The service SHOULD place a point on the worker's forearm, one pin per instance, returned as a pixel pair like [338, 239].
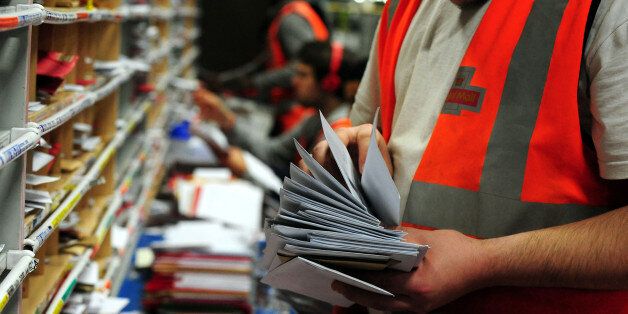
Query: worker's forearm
[591, 254]
[228, 122]
[274, 78]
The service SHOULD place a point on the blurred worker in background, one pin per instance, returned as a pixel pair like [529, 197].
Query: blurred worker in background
[293, 23]
[324, 77]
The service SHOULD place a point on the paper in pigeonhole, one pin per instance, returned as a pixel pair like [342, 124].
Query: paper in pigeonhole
[212, 174]
[325, 226]
[37, 196]
[237, 203]
[40, 160]
[33, 179]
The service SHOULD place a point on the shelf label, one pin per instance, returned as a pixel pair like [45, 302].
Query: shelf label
[58, 307]
[3, 301]
[67, 292]
[60, 17]
[29, 19]
[82, 101]
[101, 233]
[14, 151]
[66, 210]
[43, 235]
[106, 159]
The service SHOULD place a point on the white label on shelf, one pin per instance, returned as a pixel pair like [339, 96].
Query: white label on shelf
[82, 101]
[31, 18]
[60, 17]
[15, 150]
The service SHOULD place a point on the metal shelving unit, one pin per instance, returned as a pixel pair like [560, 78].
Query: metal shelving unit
[42, 255]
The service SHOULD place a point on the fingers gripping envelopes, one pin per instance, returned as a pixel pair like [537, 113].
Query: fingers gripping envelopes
[325, 227]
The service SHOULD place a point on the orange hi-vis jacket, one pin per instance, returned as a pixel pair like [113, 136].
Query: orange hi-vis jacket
[278, 57]
[506, 154]
[303, 9]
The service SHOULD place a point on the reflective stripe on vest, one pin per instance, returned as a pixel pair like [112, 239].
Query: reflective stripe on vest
[395, 21]
[506, 154]
[303, 9]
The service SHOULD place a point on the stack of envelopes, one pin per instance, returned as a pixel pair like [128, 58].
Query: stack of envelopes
[325, 226]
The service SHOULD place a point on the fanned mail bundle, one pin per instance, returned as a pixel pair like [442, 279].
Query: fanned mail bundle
[325, 227]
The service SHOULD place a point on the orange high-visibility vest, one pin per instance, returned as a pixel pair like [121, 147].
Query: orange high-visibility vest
[294, 116]
[278, 58]
[506, 154]
[303, 9]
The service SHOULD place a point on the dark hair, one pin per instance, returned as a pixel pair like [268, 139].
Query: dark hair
[317, 54]
[352, 68]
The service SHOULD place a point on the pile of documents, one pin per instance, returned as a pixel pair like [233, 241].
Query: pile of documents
[201, 265]
[211, 194]
[325, 226]
[94, 302]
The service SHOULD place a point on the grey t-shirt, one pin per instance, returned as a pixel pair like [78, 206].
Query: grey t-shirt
[428, 61]
[277, 152]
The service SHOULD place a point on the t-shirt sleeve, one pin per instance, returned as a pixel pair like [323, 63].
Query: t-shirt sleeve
[277, 152]
[607, 64]
[367, 97]
[280, 77]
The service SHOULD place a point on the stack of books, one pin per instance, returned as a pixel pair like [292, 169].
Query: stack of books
[201, 267]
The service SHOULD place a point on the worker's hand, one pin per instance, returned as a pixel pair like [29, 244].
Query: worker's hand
[234, 160]
[212, 108]
[453, 266]
[357, 141]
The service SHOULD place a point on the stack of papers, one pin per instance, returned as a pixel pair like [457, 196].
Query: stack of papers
[206, 236]
[325, 226]
[203, 263]
[237, 203]
[94, 302]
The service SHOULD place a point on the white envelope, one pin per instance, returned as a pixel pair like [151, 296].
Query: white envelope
[40, 160]
[343, 159]
[378, 185]
[314, 280]
[33, 179]
[305, 179]
[322, 175]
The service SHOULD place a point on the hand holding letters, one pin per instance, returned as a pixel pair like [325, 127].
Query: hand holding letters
[325, 226]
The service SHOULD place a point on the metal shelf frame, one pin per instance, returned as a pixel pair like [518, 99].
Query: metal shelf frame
[22, 15]
[14, 45]
[137, 119]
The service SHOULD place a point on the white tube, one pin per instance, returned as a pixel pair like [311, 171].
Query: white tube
[18, 147]
[14, 279]
[62, 295]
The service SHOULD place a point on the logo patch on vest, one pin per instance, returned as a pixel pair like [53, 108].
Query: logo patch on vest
[463, 96]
